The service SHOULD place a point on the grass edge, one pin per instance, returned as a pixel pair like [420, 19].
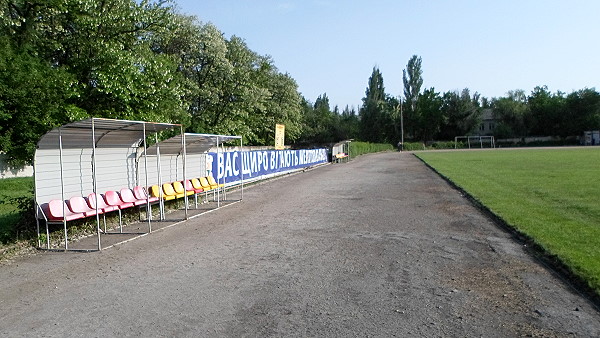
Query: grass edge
[547, 259]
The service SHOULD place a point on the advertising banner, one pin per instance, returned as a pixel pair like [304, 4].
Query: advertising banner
[254, 164]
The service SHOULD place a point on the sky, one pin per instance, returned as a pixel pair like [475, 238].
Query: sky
[488, 46]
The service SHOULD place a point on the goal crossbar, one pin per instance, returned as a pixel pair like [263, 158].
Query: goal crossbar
[476, 139]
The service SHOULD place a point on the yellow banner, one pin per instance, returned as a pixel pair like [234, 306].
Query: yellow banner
[279, 136]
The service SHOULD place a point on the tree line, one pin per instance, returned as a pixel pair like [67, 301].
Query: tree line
[66, 60]
[428, 115]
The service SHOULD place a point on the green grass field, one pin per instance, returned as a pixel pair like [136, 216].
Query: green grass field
[550, 195]
[12, 188]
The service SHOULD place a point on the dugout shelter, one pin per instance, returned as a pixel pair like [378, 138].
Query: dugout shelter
[91, 156]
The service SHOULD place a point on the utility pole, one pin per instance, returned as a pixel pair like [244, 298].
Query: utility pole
[401, 125]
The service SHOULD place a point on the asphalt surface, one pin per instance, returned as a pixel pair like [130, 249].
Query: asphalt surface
[378, 247]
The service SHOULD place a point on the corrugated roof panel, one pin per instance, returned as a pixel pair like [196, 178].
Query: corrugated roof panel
[107, 132]
[194, 143]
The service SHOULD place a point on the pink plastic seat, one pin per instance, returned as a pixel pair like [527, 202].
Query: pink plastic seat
[54, 211]
[140, 194]
[127, 196]
[112, 198]
[78, 204]
[101, 203]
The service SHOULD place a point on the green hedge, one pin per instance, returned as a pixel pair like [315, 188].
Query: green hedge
[359, 148]
[414, 146]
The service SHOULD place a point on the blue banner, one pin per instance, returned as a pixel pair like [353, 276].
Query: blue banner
[253, 164]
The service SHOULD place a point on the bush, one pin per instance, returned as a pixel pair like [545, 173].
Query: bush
[411, 146]
[447, 145]
[360, 148]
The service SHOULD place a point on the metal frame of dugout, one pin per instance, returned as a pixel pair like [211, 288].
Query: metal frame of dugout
[92, 155]
[340, 152]
[98, 155]
[189, 147]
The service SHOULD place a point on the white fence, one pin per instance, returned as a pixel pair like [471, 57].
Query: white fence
[7, 172]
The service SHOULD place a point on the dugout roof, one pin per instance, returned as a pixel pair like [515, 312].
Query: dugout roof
[190, 142]
[106, 133]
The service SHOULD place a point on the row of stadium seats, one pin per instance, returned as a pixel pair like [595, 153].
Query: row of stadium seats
[79, 207]
[173, 190]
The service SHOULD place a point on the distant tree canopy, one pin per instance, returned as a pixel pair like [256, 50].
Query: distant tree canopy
[543, 113]
[429, 115]
[66, 60]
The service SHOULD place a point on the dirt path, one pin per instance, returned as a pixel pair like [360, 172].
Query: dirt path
[380, 246]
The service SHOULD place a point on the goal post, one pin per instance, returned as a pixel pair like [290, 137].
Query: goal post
[476, 140]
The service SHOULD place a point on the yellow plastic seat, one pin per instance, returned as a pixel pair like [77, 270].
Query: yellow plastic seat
[169, 193]
[155, 192]
[214, 183]
[180, 190]
[196, 184]
[205, 185]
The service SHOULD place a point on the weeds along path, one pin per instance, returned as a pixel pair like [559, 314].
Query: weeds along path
[380, 246]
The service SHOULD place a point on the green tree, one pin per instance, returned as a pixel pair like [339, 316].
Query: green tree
[429, 108]
[412, 77]
[461, 112]
[32, 100]
[349, 124]
[582, 112]
[546, 112]
[96, 59]
[373, 119]
[512, 112]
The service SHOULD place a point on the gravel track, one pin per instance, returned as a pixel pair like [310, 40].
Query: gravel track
[377, 247]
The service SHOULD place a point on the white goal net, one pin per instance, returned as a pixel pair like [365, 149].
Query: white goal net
[475, 141]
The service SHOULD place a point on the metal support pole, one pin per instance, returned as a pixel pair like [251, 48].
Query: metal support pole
[35, 206]
[401, 127]
[62, 187]
[148, 214]
[161, 201]
[217, 180]
[242, 166]
[185, 195]
[95, 186]
[224, 180]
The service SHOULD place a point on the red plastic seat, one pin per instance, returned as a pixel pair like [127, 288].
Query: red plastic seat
[78, 204]
[140, 194]
[127, 196]
[54, 211]
[112, 198]
[101, 203]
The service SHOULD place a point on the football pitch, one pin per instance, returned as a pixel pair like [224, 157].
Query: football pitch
[550, 195]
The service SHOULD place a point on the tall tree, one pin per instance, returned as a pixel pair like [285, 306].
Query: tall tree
[412, 77]
[462, 113]
[512, 112]
[546, 112]
[429, 108]
[583, 112]
[372, 113]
